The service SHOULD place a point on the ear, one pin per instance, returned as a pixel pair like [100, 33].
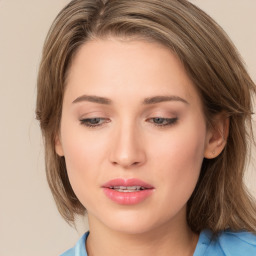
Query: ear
[217, 135]
[58, 146]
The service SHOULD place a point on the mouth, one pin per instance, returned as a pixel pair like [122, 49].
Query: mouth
[127, 189]
[127, 192]
[127, 185]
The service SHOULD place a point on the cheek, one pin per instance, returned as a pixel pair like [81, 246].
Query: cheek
[83, 153]
[83, 171]
[183, 146]
[81, 147]
[178, 163]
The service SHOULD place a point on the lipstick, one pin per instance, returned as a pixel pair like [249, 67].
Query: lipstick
[127, 191]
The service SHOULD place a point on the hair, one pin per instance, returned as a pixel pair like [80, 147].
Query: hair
[220, 199]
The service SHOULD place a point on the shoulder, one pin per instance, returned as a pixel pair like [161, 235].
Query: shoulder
[79, 249]
[226, 243]
[237, 243]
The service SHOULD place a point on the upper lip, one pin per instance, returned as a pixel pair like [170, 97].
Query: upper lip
[127, 183]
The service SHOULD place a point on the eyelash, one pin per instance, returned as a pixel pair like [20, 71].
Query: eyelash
[157, 121]
[163, 122]
[92, 122]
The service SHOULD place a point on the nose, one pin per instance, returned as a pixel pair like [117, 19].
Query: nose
[127, 149]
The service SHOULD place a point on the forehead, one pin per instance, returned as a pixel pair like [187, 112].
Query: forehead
[111, 66]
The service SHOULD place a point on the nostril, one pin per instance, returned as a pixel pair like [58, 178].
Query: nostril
[126, 164]
[135, 163]
[127, 155]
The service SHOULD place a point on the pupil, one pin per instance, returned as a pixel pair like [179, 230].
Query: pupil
[158, 120]
[95, 120]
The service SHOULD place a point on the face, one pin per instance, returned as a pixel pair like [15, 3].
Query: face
[132, 133]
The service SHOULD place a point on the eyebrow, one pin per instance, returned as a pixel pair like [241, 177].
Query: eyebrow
[159, 99]
[146, 101]
[91, 98]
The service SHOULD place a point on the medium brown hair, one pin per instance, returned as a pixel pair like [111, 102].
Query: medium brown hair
[220, 199]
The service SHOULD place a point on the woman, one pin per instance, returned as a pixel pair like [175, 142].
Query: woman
[145, 109]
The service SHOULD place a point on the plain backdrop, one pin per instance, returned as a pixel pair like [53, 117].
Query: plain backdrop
[29, 222]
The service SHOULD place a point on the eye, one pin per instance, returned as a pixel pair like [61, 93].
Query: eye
[160, 121]
[94, 122]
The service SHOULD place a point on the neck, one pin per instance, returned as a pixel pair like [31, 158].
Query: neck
[172, 239]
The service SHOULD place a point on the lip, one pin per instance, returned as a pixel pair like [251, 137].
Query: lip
[127, 198]
[127, 183]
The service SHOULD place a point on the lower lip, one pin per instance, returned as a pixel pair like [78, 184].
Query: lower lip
[127, 198]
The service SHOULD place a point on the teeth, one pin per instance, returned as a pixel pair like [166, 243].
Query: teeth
[127, 189]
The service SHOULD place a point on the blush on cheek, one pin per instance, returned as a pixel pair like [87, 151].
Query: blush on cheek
[184, 159]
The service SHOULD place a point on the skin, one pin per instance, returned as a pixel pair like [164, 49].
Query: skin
[128, 142]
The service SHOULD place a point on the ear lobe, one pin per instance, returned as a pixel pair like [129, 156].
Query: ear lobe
[58, 146]
[217, 136]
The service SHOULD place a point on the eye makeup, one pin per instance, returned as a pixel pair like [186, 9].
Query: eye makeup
[162, 122]
[94, 122]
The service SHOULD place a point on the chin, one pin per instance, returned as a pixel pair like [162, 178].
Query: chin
[132, 222]
[131, 228]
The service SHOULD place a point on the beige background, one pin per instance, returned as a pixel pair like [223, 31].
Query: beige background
[29, 222]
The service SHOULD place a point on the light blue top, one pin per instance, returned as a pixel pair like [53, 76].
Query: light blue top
[227, 243]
